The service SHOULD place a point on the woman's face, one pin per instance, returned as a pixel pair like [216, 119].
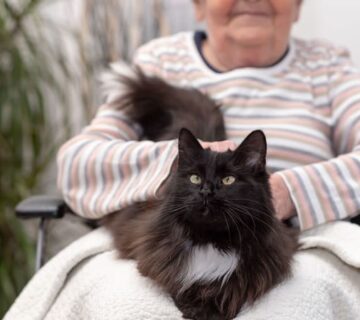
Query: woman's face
[248, 22]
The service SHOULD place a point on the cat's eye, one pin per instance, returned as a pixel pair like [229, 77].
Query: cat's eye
[195, 179]
[228, 180]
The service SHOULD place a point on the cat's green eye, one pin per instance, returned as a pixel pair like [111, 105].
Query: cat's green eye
[195, 179]
[228, 180]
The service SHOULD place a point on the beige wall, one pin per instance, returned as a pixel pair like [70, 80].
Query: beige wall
[334, 20]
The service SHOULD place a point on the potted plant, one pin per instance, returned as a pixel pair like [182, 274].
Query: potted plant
[32, 73]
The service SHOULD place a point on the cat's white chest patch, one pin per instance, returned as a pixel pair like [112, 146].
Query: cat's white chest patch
[206, 264]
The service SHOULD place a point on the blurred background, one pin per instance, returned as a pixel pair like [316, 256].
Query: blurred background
[51, 54]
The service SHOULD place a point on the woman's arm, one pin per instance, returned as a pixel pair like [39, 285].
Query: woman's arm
[330, 190]
[104, 168]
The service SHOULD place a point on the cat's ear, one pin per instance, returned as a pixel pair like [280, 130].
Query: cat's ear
[251, 153]
[189, 146]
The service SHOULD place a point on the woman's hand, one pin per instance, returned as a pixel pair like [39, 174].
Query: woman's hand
[219, 146]
[283, 205]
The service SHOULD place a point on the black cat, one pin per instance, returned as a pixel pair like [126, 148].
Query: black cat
[213, 242]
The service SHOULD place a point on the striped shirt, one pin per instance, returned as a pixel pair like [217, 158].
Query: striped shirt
[308, 105]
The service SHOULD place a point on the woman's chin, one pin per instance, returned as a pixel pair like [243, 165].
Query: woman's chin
[252, 37]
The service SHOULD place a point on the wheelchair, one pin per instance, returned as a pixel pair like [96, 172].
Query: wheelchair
[46, 208]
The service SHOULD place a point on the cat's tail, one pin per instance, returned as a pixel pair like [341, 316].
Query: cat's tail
[161, 108]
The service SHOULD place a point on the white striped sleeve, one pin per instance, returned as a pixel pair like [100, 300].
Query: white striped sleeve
[105, 168]
[330, 190]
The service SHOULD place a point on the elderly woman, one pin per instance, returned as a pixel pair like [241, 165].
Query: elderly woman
[305, 96]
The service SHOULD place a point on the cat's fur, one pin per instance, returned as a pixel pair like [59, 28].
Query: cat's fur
[162, 109]
[213, 247]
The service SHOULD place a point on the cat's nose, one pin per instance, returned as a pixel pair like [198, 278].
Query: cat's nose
[206, 191]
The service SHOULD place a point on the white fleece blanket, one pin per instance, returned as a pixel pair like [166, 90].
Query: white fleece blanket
[87, 281]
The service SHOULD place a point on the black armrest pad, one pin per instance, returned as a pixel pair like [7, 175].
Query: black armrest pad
[356, 219]
[41, 207]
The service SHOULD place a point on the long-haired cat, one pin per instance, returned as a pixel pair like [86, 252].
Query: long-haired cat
[212, 242]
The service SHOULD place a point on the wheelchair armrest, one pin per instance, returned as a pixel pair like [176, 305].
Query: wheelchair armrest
[356, 219]
[41, 207]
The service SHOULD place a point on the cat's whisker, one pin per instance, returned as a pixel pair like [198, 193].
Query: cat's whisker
[260, 220]
[250, 209]
[267, 219]
[241, 205]
[177, 209]
[237, 207]
[228, 228]
[235, 224]
[244, 224]
[234, 215]
[237, 204]
[248, 200]
[247, 213]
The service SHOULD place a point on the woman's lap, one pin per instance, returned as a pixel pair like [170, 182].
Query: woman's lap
[103, 287]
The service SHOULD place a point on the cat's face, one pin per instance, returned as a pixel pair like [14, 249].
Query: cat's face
[221, 191]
